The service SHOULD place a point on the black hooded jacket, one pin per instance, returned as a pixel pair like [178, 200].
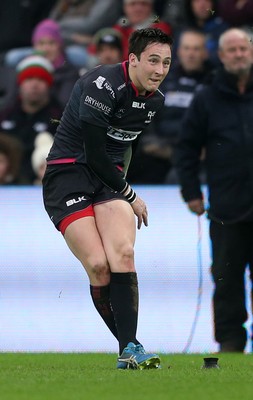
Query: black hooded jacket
[220, 119]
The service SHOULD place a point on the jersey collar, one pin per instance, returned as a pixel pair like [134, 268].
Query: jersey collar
[125, 65]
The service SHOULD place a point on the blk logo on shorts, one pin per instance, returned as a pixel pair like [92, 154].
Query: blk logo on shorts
[75, 201]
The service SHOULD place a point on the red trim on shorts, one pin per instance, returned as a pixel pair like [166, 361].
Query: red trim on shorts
[62, 161]
[65, 222]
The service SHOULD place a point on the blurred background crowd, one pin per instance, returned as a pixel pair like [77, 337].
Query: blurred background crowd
[46, 45]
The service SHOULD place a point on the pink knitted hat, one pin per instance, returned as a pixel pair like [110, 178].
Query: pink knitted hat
[47, 27]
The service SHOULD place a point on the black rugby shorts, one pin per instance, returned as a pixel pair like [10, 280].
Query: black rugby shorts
[68, 188]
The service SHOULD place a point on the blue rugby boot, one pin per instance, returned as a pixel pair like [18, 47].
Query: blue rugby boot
[127, 358]
[146, 360]
[135, 357]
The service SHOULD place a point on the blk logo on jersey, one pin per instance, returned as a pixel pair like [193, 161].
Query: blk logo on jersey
[136, 104]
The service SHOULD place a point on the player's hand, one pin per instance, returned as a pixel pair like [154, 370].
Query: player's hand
[140, 210]
[196, 206]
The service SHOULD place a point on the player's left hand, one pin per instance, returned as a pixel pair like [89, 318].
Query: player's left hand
[141, 211]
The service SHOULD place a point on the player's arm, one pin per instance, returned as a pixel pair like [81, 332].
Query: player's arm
[97, 159]
[129, 153]
[127, 159]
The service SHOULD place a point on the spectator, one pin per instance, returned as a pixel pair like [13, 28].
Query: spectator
[153, 161]
[18, 19]
[175, 14]
[80, 20]
[42, 145]
[202, 15]
[47, 40]
[34, 109]
[237, 13]
[108, 46]
[10, 160]
[138, 14]
[220, 119]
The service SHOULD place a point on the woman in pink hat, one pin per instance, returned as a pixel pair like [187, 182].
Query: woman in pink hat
[47, 40]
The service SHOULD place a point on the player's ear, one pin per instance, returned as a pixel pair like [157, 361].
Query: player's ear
[133, 59]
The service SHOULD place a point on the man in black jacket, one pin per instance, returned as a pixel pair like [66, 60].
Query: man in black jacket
[220, 119]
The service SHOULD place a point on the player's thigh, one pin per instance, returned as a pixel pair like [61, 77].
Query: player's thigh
[85, 243]
[116, 224]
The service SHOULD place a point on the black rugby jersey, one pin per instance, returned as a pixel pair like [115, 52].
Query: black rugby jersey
[104, 97]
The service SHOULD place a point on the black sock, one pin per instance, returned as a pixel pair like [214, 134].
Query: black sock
[101, 299]
[125, 303]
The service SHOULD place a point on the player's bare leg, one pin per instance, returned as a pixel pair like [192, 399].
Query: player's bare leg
[116, 224]
[84, 241]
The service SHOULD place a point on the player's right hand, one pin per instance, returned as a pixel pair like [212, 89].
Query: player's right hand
[140, 210]
[196, 206]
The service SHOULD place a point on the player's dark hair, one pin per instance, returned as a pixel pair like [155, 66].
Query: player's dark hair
[141, 38]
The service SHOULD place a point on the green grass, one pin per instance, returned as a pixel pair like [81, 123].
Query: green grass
[27, 376]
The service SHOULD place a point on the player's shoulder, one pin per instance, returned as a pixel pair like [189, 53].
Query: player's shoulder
[109, 79]
[99, 75]
[159, 94]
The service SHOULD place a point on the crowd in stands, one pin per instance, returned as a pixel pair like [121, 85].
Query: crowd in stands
[46, 45]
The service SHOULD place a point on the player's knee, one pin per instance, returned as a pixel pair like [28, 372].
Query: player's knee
[127, 257]
[99, 271]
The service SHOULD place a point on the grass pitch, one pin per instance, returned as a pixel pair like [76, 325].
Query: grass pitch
[57, 376]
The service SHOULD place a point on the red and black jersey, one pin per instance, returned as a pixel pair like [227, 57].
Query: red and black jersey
[104, 97]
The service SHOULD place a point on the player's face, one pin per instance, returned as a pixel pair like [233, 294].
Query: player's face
[236, 54]
[153, 66]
